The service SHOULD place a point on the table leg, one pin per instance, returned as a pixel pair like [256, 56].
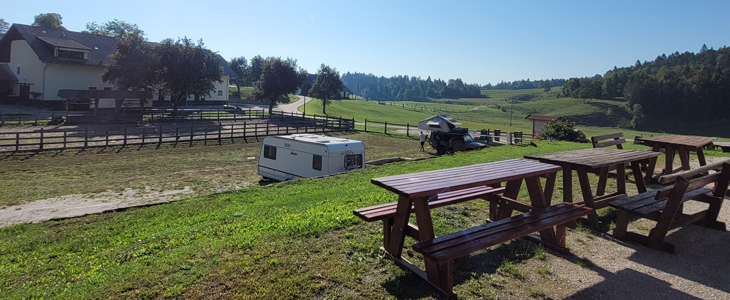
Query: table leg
[684, 158]
[398, 234]
[621, 178]
[701, 156]
[668, 160]
[585, 187]
[425, 233]
[537, 198]
[550, 187]
[567, 184]
[511, 190]
[652, 164]
[640, 185]
[602, 181]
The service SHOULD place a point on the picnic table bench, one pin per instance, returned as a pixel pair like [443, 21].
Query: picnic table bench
[665, 206]
[725, 146]
[600, 161]
[679, 145]
[419, 192]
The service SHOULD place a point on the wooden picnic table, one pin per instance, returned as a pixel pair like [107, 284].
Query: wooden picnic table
[600, 161]
[676, 144]
[419, 192]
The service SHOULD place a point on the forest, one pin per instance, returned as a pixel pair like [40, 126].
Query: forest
[525, 84]
[406, 88]
[688, 86]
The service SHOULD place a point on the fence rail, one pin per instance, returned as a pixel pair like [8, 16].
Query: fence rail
[278, 124]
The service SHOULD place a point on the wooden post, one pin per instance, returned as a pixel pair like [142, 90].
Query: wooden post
[201, 113]
[40, 147]
[219, 115]
[107, 138]
[256, 129]
[64, 139]
[160, 140]
[244, 131]
[191, 135]
[267, 128]
[17, 141]
[177, 134]
[143, 133]
[220, 127]
[366, 125]
[408, 129]
[386, 127]
[125, 136]
[86, 137]
[232, 133]
[205, 137]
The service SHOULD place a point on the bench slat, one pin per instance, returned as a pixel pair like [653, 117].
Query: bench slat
[459, 244]
[387, 210]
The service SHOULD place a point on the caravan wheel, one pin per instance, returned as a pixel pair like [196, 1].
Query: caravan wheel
[441, 150]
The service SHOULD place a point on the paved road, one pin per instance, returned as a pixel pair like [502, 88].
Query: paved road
[294, 106]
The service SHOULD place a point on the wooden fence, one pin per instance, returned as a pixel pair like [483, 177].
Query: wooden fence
[40, 140]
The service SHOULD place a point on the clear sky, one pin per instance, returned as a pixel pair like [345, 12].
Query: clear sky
[478, 41]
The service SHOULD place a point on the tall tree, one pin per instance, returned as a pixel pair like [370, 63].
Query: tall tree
[133, 65]
[239, 65]
[326, 86]
[49, 20]
[115, 28]
[4, 26]
[255, 72]
[186, 69]
[278, 77]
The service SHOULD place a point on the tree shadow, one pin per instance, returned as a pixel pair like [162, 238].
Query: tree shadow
[629, 284]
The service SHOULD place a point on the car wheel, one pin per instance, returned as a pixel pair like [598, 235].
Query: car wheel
[441, 150]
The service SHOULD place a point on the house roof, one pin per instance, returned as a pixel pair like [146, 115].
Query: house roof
[532, 117]
[6, 73]
[43, 40]
[94, 94]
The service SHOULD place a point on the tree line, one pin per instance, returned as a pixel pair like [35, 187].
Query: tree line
[405, 88]
[689, 86]
[545, 84]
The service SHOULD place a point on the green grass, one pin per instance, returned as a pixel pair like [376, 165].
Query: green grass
[509, 268]
[300, 238]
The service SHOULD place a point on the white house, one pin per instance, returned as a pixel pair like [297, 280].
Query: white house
[44, 61]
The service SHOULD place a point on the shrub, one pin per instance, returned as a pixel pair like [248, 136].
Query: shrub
[561, 130]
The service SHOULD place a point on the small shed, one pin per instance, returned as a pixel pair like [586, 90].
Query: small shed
[438, 123]
[539, 122]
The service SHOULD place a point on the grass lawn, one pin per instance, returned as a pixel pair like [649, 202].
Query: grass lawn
[297, 239]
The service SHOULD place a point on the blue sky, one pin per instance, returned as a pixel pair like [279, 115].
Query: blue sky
[478, 41]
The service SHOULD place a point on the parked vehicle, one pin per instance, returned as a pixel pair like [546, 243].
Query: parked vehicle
[460, 141]
[308, 155]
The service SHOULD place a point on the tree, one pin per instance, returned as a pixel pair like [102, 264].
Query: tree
[4, 26]
[133, 65]
[185, 68]
[326, 86]
[49, 20]
[116, 28]
[278, 77]
[255, 72]
[239, 65]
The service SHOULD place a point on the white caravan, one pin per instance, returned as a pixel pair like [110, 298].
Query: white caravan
[308, 155]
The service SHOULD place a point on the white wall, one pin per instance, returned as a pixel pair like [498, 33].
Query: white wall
[31, 68]
[75, 77]
[539, 125]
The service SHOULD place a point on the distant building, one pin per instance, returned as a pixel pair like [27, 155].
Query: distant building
[539, 122]
[44, 61]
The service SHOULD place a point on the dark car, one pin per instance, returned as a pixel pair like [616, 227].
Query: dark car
[460, 141]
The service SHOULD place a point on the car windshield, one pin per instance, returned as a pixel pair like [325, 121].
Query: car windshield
[468, 139]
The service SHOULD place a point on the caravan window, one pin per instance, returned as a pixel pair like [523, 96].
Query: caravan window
[317, 162]
[270, 152]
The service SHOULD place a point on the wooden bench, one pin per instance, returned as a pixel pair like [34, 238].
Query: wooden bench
[386, 212]
[444, 250]
[613, 139]
[665, 205]
[725, 146]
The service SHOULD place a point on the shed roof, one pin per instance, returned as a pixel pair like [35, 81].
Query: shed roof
[532, 117]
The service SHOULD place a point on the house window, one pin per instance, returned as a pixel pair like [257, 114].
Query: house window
[220, 93]
[317, 162]
[270, 152]
[70, 54]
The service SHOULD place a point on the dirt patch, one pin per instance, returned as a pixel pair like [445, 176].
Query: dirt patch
[77, 205]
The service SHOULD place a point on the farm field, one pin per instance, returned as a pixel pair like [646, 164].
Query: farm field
[297, 239]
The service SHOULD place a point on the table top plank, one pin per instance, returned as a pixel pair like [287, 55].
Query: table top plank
[679, 140]
[429, 183]
[594, 157]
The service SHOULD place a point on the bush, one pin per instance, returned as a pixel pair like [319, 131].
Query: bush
[562, 131]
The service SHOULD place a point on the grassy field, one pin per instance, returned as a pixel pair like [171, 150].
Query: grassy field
[297, 239]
